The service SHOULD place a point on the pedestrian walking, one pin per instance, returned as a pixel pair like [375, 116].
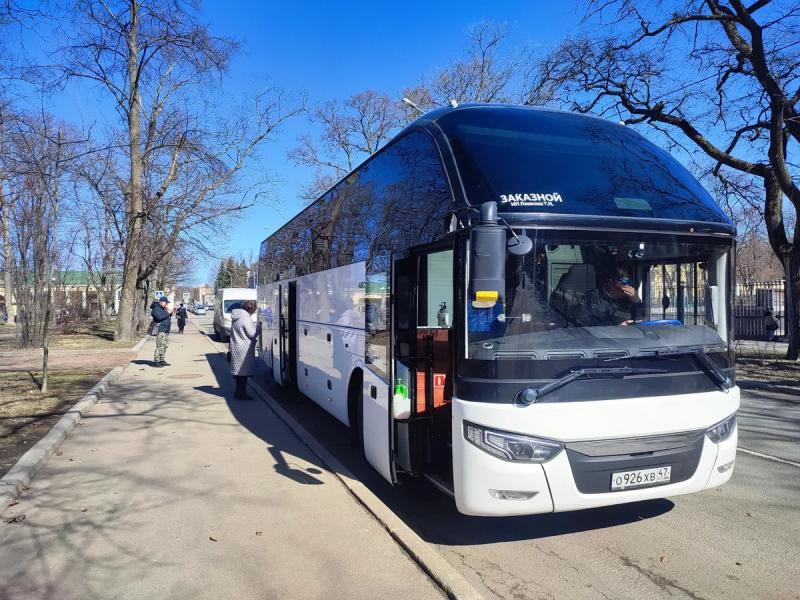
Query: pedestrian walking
[771, 324]
[245, 329]
[161, 312]
[181, 314]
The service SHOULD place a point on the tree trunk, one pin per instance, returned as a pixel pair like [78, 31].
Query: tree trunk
[7, 287]
[126, 321]
[102, 303]
[46, 344]
[792, 269]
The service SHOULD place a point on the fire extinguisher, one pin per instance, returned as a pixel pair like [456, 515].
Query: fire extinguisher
[443, 316]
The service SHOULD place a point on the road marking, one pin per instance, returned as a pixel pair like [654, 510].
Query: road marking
[768, 457]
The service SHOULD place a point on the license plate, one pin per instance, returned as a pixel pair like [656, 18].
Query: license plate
[640, 478]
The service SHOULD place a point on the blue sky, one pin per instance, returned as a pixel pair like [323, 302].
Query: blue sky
[328, 51]
[332, 50]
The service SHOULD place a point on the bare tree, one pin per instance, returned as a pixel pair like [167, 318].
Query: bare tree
[5, 240]
[155, 59]
[718, 79]
[41, 154]
[487, 71]
[350, 133]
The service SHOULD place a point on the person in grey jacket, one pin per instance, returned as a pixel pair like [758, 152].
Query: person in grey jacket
[244, 334]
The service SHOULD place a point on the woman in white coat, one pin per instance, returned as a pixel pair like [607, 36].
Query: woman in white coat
[244, 334]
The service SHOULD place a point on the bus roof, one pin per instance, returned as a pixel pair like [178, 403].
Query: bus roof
[538, 160]
[542, 162]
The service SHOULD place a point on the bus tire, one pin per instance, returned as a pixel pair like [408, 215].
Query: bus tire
[355, 408]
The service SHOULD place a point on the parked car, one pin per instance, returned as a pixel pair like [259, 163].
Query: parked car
[199, 309]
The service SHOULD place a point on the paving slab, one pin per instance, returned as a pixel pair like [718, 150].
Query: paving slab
[169, 488]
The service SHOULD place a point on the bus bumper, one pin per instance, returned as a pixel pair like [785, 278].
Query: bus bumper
[485, 485]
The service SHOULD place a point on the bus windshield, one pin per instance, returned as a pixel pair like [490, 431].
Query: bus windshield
[580, 299]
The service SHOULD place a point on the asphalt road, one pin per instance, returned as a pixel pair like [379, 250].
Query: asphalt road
[738, 541]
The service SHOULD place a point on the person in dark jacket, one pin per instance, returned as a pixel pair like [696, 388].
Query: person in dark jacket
[619, 299]
[180, 313]
[162, 316]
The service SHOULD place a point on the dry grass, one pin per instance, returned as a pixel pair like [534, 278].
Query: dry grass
[26, 414]
[761, 351]
[20, 395]
[79, 336]
[779, 372]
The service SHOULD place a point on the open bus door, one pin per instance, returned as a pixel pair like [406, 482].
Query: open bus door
[287, 333]
[422, 304]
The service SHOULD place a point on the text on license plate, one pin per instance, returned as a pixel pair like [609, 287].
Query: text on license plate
[640, 478]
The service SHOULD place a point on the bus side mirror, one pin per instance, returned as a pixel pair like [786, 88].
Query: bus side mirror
[487, 242]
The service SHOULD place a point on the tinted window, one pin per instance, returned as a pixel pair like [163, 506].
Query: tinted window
[532, 160]
[397, 199]
[409, 201]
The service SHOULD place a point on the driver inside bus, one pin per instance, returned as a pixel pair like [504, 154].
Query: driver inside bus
[619, 298]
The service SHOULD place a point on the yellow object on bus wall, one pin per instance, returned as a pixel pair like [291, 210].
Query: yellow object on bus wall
[487, 296]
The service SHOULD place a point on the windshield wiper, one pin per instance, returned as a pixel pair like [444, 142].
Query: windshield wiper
[722, 381]
[531, 395]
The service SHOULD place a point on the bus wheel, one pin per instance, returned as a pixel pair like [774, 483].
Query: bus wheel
[355, 408]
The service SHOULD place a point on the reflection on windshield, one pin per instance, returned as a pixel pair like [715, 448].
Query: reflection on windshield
[595, 297]
[230, 305]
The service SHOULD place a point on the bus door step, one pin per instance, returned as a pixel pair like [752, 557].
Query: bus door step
[442, 485]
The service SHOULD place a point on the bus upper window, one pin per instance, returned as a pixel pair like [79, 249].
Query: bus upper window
[554, 162]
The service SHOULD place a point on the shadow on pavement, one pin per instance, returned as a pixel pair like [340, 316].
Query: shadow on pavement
[260, 421]
[140, 437]
[432, 514]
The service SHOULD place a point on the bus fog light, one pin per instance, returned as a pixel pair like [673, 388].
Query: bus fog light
[725, 467]
[511, 446]
[722, 430]
[511, 495]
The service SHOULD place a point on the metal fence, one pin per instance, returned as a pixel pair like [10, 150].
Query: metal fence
[753, 300]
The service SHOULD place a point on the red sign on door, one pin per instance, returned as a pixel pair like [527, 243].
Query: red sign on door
[438, 381]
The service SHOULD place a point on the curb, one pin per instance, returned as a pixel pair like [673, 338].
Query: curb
[140, 344]
[21, 474]
[768, 387]
[433, 564]
[447, 577]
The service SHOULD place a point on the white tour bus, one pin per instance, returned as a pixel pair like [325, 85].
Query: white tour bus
[226, 300]
[530, 308]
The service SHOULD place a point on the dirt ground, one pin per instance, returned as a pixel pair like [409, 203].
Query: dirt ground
[78, 336]
[64, 360]
[779, 372]
[26, 414]
[79, 357]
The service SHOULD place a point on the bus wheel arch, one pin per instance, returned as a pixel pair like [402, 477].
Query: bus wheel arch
[355, 411]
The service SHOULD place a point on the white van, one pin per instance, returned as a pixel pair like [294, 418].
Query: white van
[226, 300]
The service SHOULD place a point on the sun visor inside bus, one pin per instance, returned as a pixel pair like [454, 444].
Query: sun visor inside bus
[487, 262]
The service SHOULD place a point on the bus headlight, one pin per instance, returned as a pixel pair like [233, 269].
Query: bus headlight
[511, 446]
[722, 430]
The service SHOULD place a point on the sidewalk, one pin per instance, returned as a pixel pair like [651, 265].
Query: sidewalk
[169, 488]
